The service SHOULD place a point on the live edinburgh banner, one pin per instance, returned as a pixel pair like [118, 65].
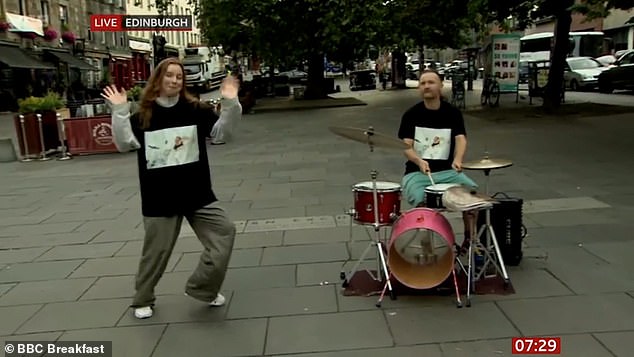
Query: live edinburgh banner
[506, 58]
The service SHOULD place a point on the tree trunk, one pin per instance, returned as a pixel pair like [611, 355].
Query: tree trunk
[552, 97]
[315, 88]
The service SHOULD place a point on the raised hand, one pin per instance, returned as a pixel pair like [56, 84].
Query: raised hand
[112, 94]
[229, 87]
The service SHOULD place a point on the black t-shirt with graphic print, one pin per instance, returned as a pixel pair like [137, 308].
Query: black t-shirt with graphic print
[434, 133]
[174, 172]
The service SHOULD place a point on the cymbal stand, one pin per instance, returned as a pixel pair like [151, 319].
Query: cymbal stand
[490, 258]
[376, 242]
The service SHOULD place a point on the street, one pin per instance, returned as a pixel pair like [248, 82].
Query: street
[71, 233]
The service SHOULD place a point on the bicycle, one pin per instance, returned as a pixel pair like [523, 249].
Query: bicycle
[490, 92]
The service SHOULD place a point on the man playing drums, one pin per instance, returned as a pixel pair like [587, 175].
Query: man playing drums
[436, 135]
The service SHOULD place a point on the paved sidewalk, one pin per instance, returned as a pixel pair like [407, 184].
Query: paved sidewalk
[70, 239]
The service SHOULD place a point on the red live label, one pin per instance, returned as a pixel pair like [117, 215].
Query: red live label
[106, 23]
[536, 345]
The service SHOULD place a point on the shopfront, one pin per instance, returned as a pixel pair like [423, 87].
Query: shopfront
[141, 60]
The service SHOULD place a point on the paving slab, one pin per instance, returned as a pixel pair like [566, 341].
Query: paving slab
[571, 314]
[619, 343]
[112, 266]
[320, 235]
[10, 256]
[240, 258]
[6, 287]
[573, 218]
[562, 204]
[14, 316]
[585, 273]
[118, 235]
[218, 338]
[134, 341]
[75, 316]
[278, 203]
[282, 302]
[280, 276]
[320, 273]
[327, 332]
[315, 253]
[618, 253]
[321, 209]
[111, 287]
[38, 292]
[21, 272]
[37, 229]
[50, 336]
[566, 236]
[83, 216]
[290, 223]
[448, 324]
[124, 224]
[82, 251]
[48, 240]
[12, 218]
[177, 309]
[409, 351]
[258, 239]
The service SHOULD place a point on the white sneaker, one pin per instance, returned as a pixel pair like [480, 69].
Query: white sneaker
[218, 301]
[143, 312]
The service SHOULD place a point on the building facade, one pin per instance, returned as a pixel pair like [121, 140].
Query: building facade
[175, 41]
[57, 34]
[616, 27]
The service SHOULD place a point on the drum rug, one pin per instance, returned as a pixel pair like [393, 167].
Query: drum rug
[362, 284]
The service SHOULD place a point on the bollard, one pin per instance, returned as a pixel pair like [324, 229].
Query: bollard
[43, 153]
[7, 150]
[60, 133]
[25, 142]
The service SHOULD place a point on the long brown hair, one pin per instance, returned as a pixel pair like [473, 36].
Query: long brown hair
[152, 90]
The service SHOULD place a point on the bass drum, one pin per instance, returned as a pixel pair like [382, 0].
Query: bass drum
[421, 248]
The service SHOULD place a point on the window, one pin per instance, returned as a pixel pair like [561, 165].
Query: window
[63, 15]
[45, 12]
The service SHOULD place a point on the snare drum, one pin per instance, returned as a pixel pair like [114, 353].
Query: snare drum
[433, 194]
[388, 202]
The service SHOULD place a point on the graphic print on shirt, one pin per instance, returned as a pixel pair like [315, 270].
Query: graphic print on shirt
[432, 144]
[171, 147]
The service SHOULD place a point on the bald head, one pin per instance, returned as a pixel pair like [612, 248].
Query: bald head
[430, 85]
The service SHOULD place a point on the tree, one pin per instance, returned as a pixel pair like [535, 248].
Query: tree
[524, 13]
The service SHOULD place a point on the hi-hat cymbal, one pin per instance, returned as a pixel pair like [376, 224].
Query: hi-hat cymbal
[369, 136]
[486, 164]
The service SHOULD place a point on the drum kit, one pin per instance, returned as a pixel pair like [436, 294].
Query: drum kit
[420, 250]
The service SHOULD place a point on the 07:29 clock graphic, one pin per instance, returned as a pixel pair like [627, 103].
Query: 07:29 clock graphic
[536, 345]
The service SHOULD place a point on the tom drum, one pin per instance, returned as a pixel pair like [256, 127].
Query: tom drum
[388, 202]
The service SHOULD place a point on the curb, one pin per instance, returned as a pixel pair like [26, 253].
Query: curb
[305, 105]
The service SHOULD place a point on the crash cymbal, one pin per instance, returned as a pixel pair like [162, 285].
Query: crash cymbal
[369, 136]
[486, 164]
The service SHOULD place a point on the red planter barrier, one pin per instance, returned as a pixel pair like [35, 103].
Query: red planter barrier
[35, 137]
[89, 135]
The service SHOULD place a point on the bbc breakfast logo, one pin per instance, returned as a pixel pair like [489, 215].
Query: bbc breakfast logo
[116, 23]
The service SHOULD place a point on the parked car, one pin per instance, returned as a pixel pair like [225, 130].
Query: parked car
[582, 72]
[620, 75]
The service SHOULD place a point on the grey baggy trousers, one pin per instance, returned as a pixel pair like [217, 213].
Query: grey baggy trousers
[215, 231]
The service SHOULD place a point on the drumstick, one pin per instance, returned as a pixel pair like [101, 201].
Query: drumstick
[430, 178]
